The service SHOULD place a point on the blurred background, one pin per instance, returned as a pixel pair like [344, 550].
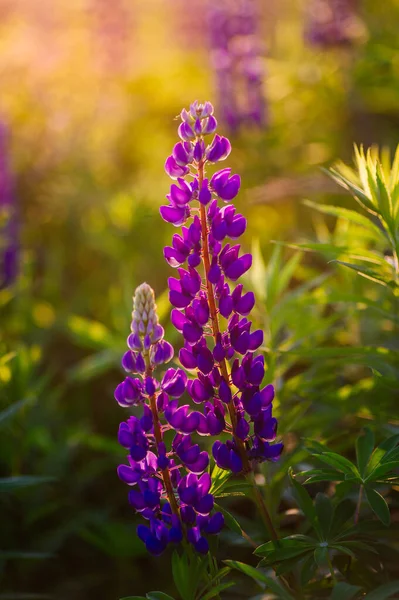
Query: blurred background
[89, 94]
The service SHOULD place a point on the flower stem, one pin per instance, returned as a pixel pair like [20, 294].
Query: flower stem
[158, 438]
[247, 469]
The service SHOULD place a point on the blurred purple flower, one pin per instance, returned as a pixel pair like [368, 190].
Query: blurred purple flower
[9, 242]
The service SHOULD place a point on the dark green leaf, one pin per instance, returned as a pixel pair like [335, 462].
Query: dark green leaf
[219, 588]
[230, 521]
[14, 408]
[287, 548]
[305, 503]
[339, 462]
[344, 591]
[8, 484]
[321, 556]
[308, 570]
[158, 596]
[384, 591]
[324, 512]
[260, 577]
[382, 470]
[364, 449]
[342, 513]
[378, 505]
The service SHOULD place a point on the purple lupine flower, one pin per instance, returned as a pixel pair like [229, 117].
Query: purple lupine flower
[9, 245]
[227, 373]
[169, 488]
[236, 53]
[330, 23]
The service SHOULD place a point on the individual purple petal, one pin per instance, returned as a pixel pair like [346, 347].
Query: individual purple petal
[239, 267]
[205, 195]
[174, 382]
[256, 339]
[176, 215]
[173, 169]
[215, 523]
[245, 304]
[225, 392]
[205, 360]
[187, 359]
[242, 428]
[204, 505]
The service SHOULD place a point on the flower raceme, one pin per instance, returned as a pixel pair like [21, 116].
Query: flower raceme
[228, 374]
[168, 488]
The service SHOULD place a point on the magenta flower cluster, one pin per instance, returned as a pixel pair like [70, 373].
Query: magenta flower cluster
[227, 374]
[169, 488]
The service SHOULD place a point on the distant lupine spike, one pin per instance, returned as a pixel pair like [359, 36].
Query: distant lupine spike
[228, 374]
[9, 243]
[236, 53]
[169, 487]
[331, 23]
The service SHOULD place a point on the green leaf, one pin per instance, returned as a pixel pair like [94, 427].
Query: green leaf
[339, 462]
[230, 521]
[158, 596]
[376, 276]
[378, 505]
[21, 554]
[384, 199]
[287, 548]
[345, 213]
[382, 470]
[260, 577]
[342, 513]
[384, 591]
[324, 512]
[305, 503]
[344, 591]
[180, 570]
[308, 570]
[219, 588]
[364, 449]
[321, 556]
[14, 408]
[353, 189]
[8, 484]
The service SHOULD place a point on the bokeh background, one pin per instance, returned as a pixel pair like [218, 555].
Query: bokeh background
[89, 94]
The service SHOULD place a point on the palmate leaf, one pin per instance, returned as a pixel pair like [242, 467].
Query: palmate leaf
[378, 505]
[287, 548]
[348, 215]
[324, 511]
[8, 484]
[364, 449]
[305, 503]
[376, 276]
[384, 591]
[340, 463]
[260, 577]
[344, 591]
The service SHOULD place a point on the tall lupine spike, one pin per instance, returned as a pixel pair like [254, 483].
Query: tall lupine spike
[228, 373]
[236, 52]
[9, 243]
[169, 488]
[330, 23]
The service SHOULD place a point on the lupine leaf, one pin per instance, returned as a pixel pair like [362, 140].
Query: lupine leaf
[180, 570]
[275, 587]
[368, 273]
[321, 556]
[345, 213]
[230, 521]
[219, 588]
[8, 484]
[10, 411]
[339, 462]
[305, 503]
[308, 569]
[158, 596]
[364, 449]
[382, 470]
[378, 505]
[342, 513]
[287, 548]
[324, 512]
[384, 591]
[344, 591]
